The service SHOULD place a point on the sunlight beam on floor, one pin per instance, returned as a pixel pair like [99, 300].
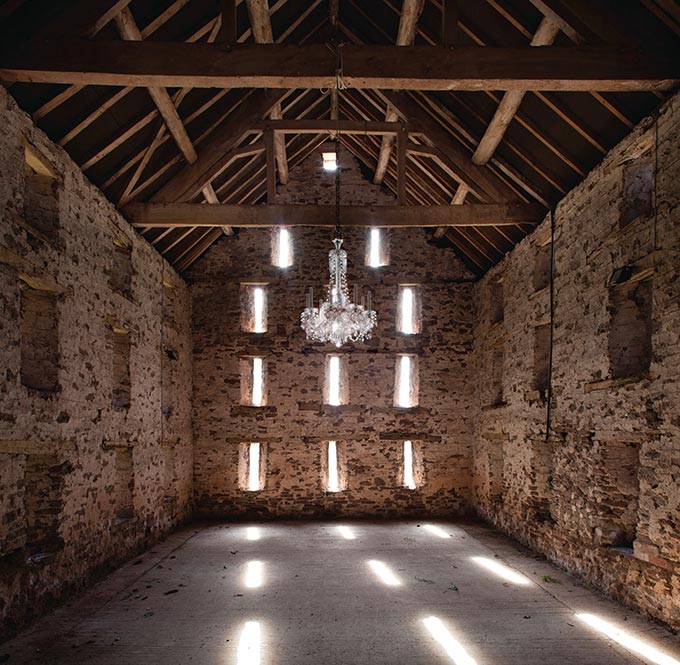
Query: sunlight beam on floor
[454, 649]
[627, 641]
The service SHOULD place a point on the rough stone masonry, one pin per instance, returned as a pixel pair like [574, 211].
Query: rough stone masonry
[99, 456]
[601, 494]
[95, 431]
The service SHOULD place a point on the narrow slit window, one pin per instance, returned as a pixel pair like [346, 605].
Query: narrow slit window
[258, 382]
[376, 254]
[253, 381]
[406, 381]
[336, 390]
[254, 308]
[333, 484]
[282, 248]
[409, 310]
[409, 478]
[330, 162]
[254, 467]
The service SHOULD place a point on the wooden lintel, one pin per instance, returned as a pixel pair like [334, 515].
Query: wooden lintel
[164, 215]
[201, 65]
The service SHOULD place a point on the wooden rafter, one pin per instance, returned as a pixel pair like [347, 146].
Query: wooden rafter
[481, 180]
[193, 177]
[408, 21]
[261, 24]
[164, 64]
[545, 34]
[128, 30]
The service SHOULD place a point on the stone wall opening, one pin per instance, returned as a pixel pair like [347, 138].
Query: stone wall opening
[542, 267]
[43, 498]
[282, 248]
[409, 309]
[253, 381]
[377, 249]
[120, 395]
[336, 380]
[492, 387]
[334, 467]
[494, 455]
[252, 466]
[496, 302]
[411, 466]
[120, 277]
[39, 339]
[630, 328]
[617, 500]
[406, 381]
[254, 307]
[638, 186]
[41, 195]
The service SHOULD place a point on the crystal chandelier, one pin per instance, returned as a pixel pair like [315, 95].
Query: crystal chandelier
[337, 319]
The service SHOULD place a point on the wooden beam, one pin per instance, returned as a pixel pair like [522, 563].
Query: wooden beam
[261, 24]
[271, 165]
[260, 21]
[451, 34]
[408, 22]
[385, 148]
[161, 215]
[667, 11]
[402, 140]
[175, 64]
[193, 177]
[545, 35]
[480, 179]
[128, 30]
[334, 13]
[228, 30]
[590, 22]
[305, 126]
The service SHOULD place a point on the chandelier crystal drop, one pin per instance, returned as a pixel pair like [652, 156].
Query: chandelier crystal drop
[337, 319]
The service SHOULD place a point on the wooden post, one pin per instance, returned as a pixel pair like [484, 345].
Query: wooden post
[271, 165]
[450, 32]
[402, 141]
[228, 31]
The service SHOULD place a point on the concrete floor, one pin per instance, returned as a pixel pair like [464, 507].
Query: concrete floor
[194, 599]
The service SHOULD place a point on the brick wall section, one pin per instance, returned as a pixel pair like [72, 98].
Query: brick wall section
[610, 473]
[294, 426]
[58, 442]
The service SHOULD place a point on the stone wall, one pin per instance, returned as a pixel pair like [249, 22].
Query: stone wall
[602, 495]
[83, 483]
[295, 426]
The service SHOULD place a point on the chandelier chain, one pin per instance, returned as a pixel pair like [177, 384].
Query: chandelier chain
[337, 186]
